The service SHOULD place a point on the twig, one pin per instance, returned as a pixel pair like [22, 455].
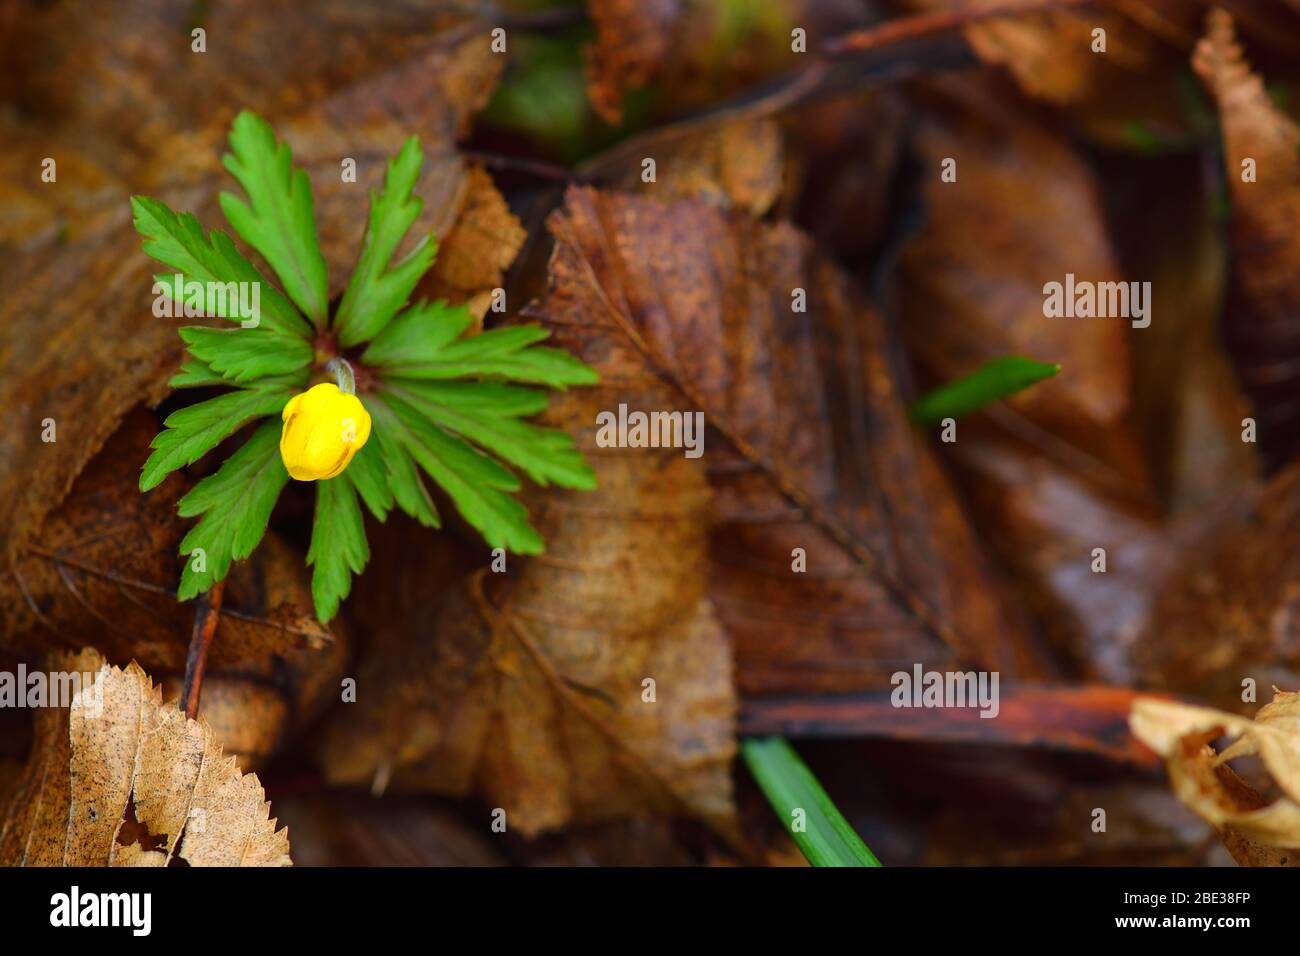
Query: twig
[532, 167]
[206, 614]
[926, 24]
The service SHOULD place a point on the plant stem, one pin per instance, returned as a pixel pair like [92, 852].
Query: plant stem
[342, 370]
[207, 613]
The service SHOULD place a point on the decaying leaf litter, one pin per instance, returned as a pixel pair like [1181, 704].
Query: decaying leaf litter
[775, 170]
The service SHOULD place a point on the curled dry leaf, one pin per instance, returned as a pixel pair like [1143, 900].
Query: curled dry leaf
[117, 756]
[1262, 327]
[1256, 831]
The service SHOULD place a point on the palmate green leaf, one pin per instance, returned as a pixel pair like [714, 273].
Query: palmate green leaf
[380, 287]
[277, 220]
[446, 406]
[246, 355]
[990, 382]
[424, 342]
[191, 432]
[409, 491]
[236, 504]
[826, 838]
[338, 544]
[479, 486]
[370, 477]
[178, 241]
[488, 414]
[195, 373]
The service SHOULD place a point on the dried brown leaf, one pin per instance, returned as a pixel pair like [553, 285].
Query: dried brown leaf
[809, 443]
[734, 163]
[530, 693]
[1230, 598]
[1262, 327]
[118, 750]
[106, 567]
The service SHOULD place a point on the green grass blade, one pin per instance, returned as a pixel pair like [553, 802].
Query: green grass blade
[990, 382]
[825, 837]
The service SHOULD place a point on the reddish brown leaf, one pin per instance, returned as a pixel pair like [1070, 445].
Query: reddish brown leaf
[809, 445]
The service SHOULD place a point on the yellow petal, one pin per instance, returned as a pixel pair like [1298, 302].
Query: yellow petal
[323, 430]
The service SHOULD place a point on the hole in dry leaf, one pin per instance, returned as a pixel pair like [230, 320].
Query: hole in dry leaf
[176, 859]
[133, 831]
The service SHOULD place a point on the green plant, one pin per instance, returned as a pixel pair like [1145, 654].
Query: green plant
[808, 813]
[990, 382]
[450, 404]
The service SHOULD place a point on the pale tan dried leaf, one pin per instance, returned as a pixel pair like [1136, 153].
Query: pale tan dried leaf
[1200, 777]
[118, 749]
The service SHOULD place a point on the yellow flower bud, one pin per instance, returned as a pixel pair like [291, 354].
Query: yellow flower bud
[323, 429]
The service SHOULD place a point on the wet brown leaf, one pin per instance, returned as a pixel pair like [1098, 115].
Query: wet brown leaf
[119, 751]
[841, 181]
[531, 692]
[1059, 469]
[809, 445]
[1189, 405]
